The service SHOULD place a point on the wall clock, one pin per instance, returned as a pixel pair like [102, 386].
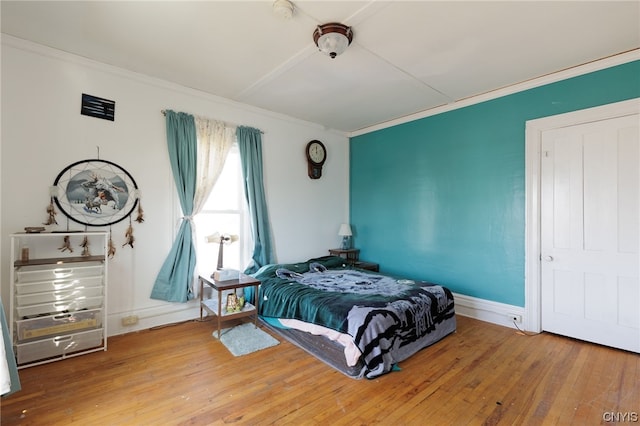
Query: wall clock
[316, 156]
[96, 192]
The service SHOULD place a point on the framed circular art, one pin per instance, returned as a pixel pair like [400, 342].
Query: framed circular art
[96, 192]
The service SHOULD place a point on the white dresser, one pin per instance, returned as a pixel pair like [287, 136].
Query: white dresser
[58, 295]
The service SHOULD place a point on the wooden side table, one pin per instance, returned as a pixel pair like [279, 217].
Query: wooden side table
[352, 258]
[214, 305]
[351, 255]
[369, 266]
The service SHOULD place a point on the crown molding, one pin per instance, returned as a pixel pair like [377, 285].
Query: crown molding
[597, 65]
[46, 51]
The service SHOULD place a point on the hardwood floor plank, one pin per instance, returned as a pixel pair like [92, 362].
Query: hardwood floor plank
[180, 375]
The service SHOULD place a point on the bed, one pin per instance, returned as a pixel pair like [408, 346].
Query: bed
[359, 322]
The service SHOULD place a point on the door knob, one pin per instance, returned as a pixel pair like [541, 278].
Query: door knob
[548, 258]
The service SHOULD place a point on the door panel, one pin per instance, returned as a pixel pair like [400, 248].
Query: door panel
[628, 301]
[590, 232]
[628, 177]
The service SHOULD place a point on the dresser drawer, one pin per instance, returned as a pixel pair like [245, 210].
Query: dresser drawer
[56, 285]
[58, 296]
[54, 325]
[25, 312]
[57, 346]
[29, 274]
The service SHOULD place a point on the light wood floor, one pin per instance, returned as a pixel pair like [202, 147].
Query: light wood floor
[482, 374]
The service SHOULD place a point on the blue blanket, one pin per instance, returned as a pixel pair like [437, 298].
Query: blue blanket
[389, 319]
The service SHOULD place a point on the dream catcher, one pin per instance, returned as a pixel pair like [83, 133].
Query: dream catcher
[95, 193]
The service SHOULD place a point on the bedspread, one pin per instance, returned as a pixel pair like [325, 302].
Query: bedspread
[389, 319]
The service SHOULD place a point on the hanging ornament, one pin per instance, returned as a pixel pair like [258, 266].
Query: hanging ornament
[85, 246]
[66, 245]
[111, 250]
[129, 235]
[140, 217]
[96, 192]
[51, 211]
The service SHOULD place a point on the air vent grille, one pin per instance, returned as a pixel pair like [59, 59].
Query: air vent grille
[98, 107]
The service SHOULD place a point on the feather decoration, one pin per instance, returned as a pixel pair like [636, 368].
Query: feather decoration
[140, 217]
[51, 211]
[111, 250]
[66, 246]
[85, 246]
[129, 235]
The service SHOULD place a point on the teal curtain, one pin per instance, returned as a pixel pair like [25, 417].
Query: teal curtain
[173, 283]
[250, 146]
[11, 365]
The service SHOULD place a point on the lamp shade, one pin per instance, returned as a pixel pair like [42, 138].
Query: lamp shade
[222, 238]
[345, 230]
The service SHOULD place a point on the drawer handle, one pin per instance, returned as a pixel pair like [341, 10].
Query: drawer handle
[61, 317]
[62, 339]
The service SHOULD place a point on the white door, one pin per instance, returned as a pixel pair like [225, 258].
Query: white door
[590, 233]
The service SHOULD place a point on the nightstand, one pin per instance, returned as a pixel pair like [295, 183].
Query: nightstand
[351, 256]
[214, 305]
[369, 266]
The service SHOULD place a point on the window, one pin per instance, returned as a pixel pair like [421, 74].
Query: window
[225, 212]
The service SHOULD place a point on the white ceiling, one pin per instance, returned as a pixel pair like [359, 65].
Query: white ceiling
[406, 56]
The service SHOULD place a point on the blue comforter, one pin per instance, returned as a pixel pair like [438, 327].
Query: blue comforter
[389, 319]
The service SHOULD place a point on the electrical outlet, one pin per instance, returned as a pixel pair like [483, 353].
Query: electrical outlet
[515, 318]
[130, 320]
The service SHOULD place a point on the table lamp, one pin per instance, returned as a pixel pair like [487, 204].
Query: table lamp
[345, 233]
[221, 239]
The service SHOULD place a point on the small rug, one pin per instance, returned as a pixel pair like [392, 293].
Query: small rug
[245, 338]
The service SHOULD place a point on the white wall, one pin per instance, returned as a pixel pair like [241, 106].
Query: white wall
[43, 132]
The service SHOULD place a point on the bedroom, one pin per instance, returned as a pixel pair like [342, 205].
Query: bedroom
[54, 129]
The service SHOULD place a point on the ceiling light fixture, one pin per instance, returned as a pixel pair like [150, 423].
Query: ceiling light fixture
[332, 39]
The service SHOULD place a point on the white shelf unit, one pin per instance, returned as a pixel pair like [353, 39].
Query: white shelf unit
[58, 297]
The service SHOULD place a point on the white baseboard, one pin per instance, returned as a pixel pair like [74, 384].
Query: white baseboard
[489, 311]
[480, 309]
[154, 317]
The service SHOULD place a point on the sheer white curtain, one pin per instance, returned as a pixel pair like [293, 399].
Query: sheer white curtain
[214, 139]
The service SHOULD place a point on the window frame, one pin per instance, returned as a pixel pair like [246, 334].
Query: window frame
[207, 253]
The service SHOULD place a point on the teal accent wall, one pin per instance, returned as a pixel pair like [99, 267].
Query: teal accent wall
[442, 198]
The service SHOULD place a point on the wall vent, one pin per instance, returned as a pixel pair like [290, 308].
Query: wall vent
[98, 107]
